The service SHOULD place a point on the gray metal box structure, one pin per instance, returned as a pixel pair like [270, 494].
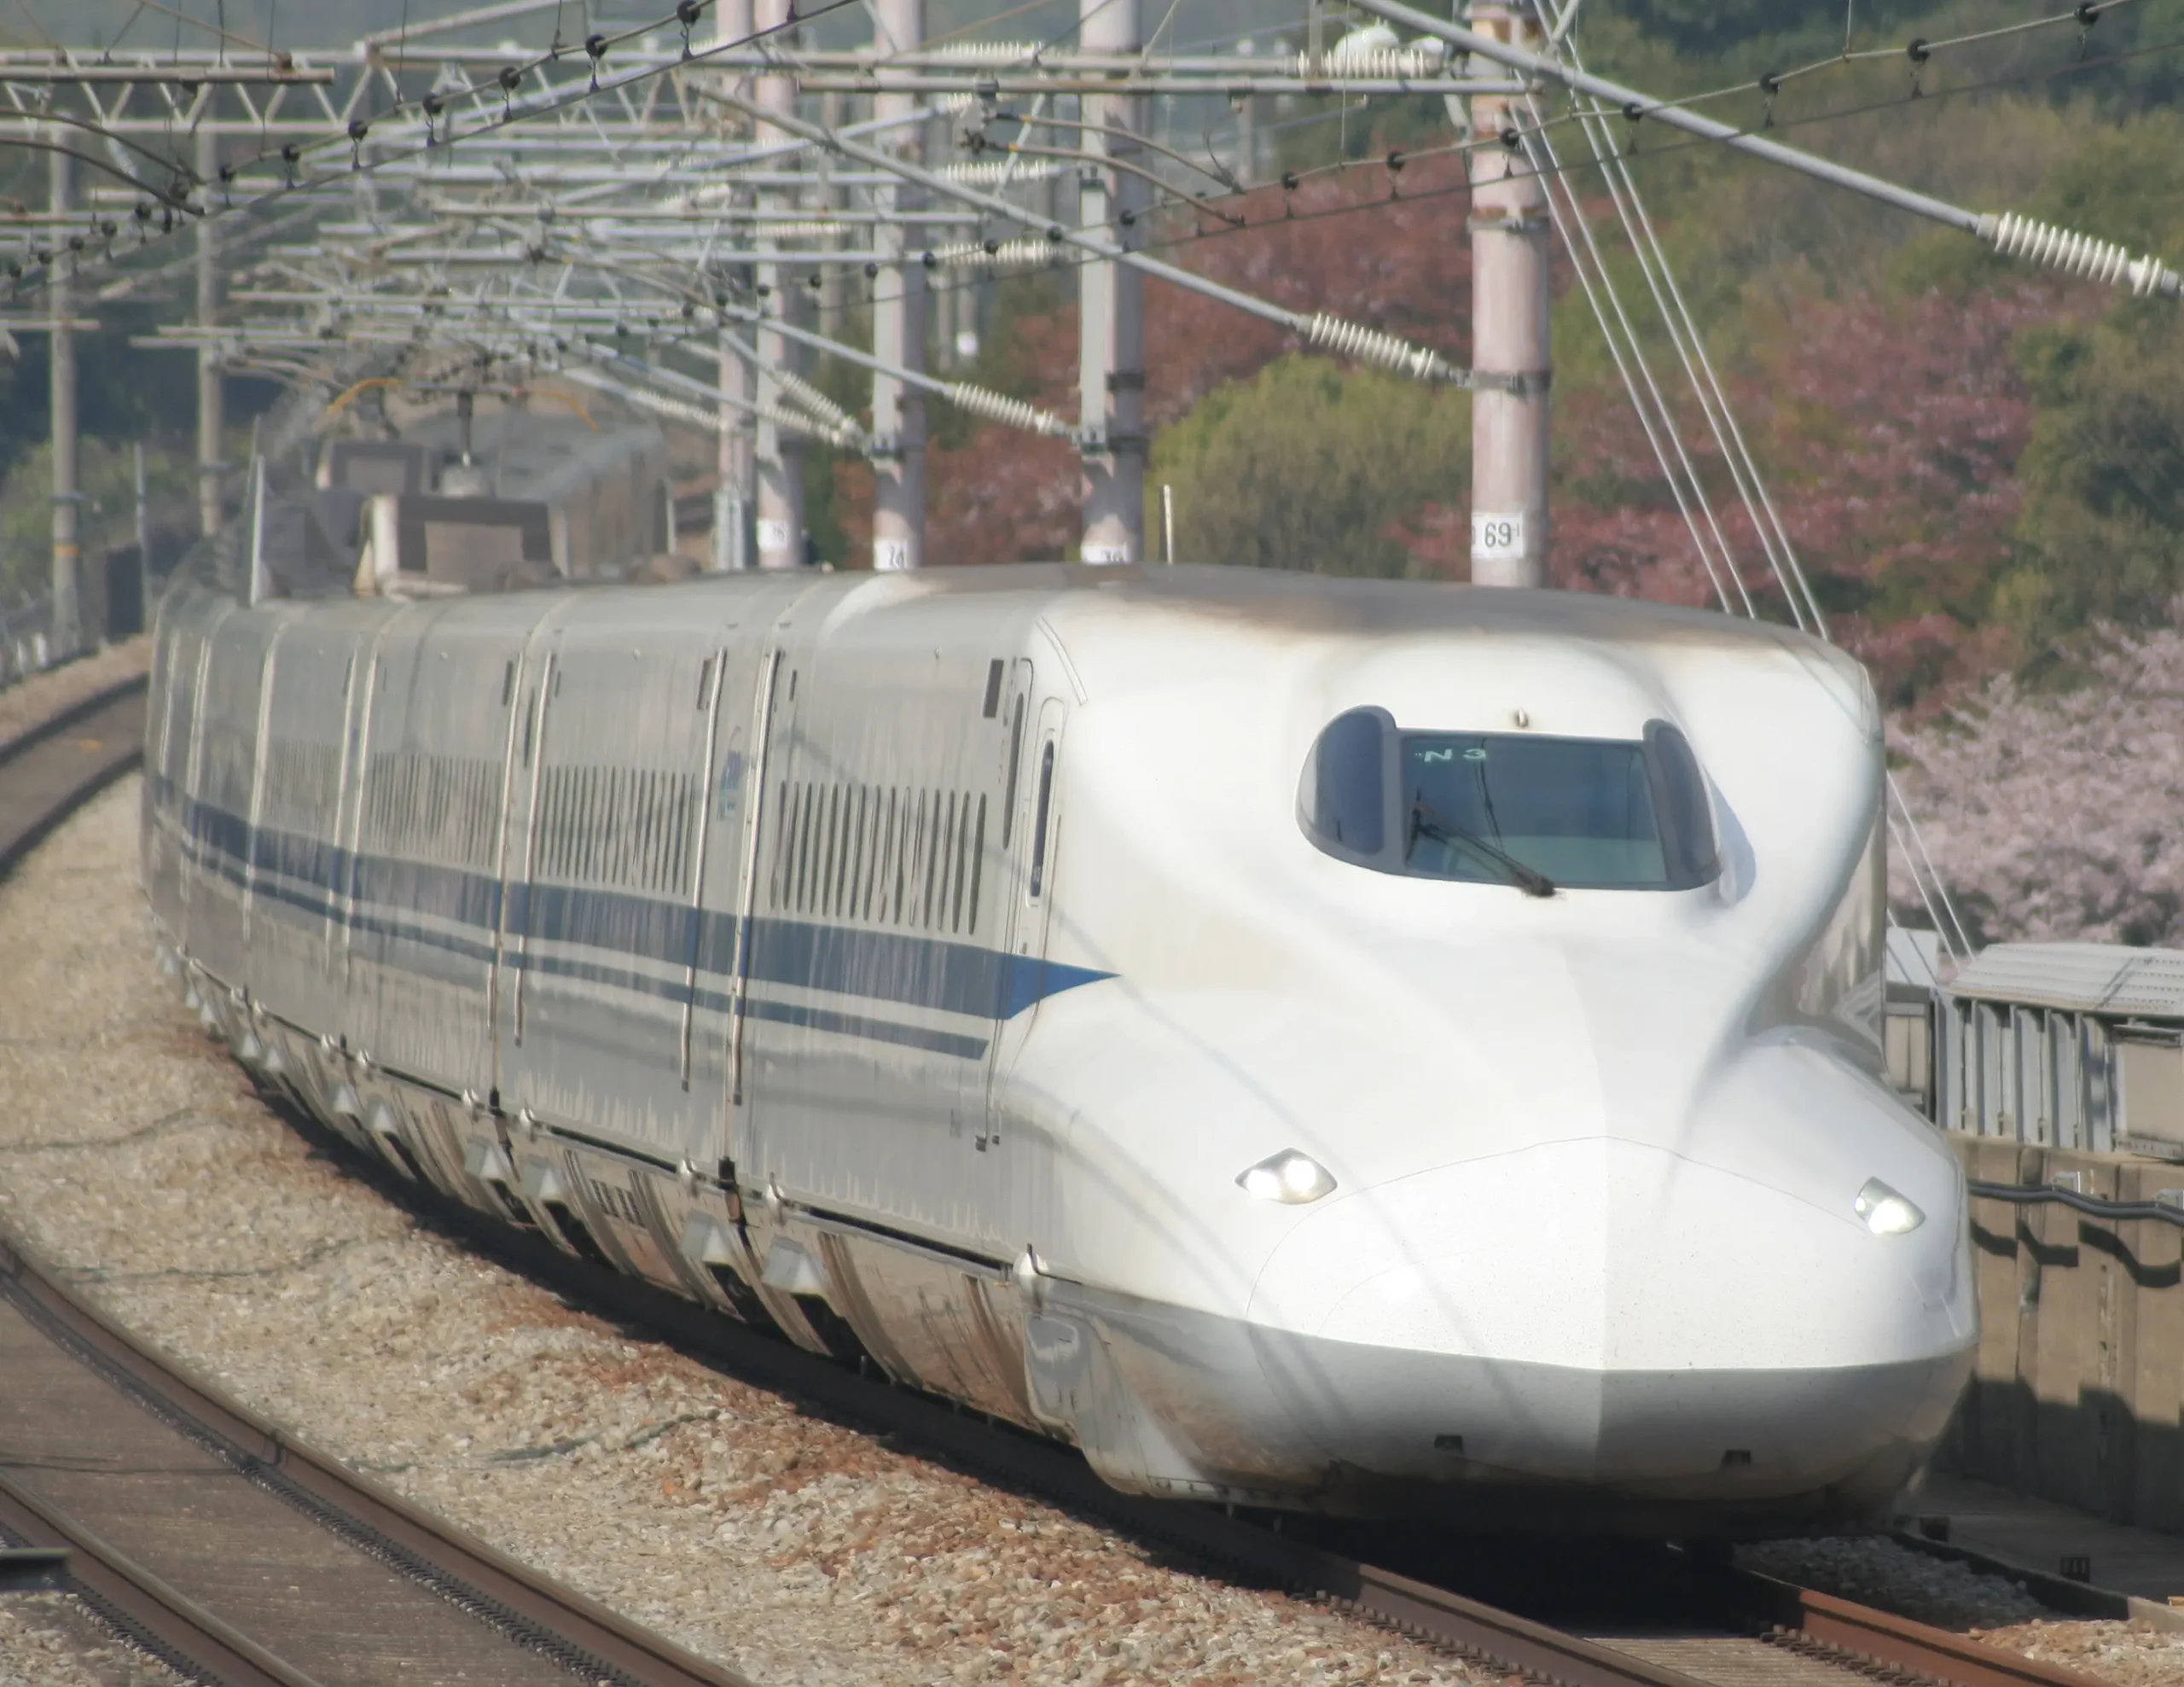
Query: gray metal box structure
[2070, 1045]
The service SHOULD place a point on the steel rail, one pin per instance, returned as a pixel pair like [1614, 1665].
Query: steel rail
[176, 1626]
[1822, 1621]
[265, 1452]
[49, 769]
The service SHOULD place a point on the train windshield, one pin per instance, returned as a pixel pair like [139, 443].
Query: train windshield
[1511, 808]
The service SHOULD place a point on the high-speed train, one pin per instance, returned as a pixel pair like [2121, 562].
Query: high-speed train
[1355, 1046]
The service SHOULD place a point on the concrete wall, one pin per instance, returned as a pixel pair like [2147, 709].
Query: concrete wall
[2079, 1392]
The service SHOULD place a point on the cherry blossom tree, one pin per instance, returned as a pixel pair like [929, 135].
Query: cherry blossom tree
[2052, 814]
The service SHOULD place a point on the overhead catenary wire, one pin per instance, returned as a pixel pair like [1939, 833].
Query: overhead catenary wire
[1625, 347]
[1315, 327]
[1699, 369]
[2147, 275]
[1750, 484]
[145, 237]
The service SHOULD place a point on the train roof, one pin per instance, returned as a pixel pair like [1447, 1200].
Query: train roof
[1278, 601]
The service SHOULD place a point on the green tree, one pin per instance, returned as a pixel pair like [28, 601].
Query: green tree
[1309, 467]
[107, 474]
[2103, 475]
[2102, 523]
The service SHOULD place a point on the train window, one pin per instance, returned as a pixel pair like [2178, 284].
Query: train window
[837, 849]
[978, 861]
[579, 822]
[868, 871]
[781, 845]
[603, 784]
[1015, 755]
[935, 848]
[917, 864]
[874, 892]
[962, 865]
[901, 846]
[603, 822]
[993, 689]
[853, 874]
[572, 824]
[804, 848]
[950, 909]
[1589, 813]
[600, 818]
[1345, 784]
[793, 828]
[801, 816]
[852, 849]
[1039, 824]
[1687, 819]
[597, 805]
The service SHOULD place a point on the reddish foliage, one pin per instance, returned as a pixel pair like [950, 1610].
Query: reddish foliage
[2053, 815]
[1400, 265]
[1889, 432]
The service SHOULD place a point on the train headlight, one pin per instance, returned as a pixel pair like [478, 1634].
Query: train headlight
[1885, 1211]
[1290, 1178]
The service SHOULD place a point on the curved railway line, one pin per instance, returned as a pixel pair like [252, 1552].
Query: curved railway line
[283, 1566]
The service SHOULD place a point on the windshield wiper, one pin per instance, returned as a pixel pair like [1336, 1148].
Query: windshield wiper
[1434, 824]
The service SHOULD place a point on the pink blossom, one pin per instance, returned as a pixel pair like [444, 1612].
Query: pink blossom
[2053, 815]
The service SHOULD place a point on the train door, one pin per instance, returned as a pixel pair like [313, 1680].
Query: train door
[225, 778]
[758, 1027]
[617, 789]
[295, 816]
[532, 698]
[1030, 859]
[172, 868]
[740, 811]
[1019, 1134]
[744, 675]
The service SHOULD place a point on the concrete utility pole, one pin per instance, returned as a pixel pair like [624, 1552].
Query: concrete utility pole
[781, 456]
[898, 326]
[1509, 234]
[942, 305]
[211, 405]
[1111, 309]
[735, 496]
[834, 289]
[67, 497]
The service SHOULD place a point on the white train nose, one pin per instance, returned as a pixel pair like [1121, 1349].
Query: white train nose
[1600, 1310]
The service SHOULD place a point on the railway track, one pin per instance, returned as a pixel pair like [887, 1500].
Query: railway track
[244, 1555]
[257, 1558]
[47, 772]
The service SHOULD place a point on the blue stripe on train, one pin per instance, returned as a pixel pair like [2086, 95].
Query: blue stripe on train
[898, 967]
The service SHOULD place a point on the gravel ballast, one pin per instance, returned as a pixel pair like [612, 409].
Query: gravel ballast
[30, 703]
[135, 1154]
[51, 1640]
[1955, 1595]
